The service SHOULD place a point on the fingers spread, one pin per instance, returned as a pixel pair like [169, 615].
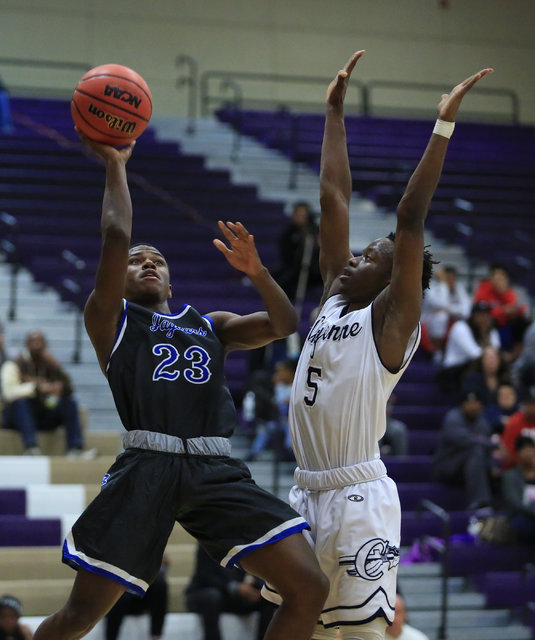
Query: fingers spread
[220, 245]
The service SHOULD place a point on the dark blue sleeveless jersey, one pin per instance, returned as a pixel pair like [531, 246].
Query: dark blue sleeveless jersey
[166, 374]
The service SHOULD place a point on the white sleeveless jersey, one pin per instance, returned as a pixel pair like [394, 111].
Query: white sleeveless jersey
[337, 410]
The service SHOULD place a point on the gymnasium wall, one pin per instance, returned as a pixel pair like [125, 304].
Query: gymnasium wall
[407, 40]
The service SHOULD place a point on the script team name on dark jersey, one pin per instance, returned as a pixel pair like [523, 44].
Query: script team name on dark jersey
[166, 374]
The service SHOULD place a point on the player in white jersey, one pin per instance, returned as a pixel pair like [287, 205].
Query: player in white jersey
[365, 334]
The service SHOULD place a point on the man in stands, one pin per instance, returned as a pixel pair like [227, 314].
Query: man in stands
[38, 396]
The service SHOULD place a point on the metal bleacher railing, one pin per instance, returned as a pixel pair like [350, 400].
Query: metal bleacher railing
[442, 547]
[215, 89]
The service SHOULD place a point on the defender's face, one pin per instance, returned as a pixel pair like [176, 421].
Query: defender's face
[367, 275]
[147, 276]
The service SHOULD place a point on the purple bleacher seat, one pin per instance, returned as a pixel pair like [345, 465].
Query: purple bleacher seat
[411, 495]
[409, 468]
[506, 588]
[20, 531]
[423, 442]
[12, 502]
[482, 557]
[417, 524]
[421, 416]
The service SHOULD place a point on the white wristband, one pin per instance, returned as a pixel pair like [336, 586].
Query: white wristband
[443, 128]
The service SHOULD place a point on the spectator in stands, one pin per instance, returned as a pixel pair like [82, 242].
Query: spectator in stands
[487, 373]
[520, 423]
[506, 309]
[154, 602]
[399, 628]
[3, 351]
[274, 430]
[38, 396]
[523, 368]
[10, 613]
[466, 451]
[498, 413]
[518, 491]
[214, 590]
[446, 302]
[465, 343]
[291, 245]
[5, 111]
[395, 442]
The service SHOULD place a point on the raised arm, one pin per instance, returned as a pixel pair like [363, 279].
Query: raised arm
[256, 329]
[335, 180]
[397, 309]
[104, 305]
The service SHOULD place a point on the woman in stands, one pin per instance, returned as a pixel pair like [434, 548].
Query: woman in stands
[165, 370]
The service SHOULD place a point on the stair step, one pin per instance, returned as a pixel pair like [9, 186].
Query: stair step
[43, 596]
[32, 563]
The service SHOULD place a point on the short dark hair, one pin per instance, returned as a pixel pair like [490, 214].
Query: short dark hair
[428, 262]
[10, 602]
[523, 441]
[289, 363]
[495, 266]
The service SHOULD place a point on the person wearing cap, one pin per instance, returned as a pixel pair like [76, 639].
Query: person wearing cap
[465, 343]
[466, 450]
[10, 613]
[521, 423]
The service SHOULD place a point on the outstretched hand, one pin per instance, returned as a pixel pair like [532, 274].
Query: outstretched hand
[105, 151]
[242, 254]
[336, 91]
[450, 102]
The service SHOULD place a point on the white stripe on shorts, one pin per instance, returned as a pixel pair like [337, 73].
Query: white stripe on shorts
[73, 557]
[278, 533]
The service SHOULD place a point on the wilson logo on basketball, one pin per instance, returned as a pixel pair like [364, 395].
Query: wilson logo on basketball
[113, 122]
[121, 94]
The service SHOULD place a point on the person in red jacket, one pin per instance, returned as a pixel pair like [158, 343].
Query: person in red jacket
[506, 309]
[520, 423]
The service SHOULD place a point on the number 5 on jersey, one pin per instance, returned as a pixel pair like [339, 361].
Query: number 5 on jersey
[313, 375]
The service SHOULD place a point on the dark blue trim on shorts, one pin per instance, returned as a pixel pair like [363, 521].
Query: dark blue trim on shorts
[75, 562]
[234, 561]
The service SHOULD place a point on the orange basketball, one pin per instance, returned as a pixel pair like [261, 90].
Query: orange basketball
[111, 104]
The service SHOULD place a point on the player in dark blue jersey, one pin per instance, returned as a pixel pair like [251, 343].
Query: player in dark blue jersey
[166, 374]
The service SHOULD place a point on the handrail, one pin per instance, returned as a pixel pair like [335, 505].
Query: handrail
[207, 99]
[74, 285]
[443, 549]
[191, 81]
[439, 88]
[58, 64]
[9, 246]
[22, 88]
[228, 83]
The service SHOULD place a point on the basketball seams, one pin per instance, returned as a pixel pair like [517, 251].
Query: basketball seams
[114, 105]
[110, 75]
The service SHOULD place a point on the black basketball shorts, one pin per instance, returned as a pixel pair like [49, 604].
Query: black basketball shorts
[123, 533]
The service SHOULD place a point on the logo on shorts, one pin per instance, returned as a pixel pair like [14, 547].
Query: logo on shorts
[355, 498]
[105, 479]
[372, 560]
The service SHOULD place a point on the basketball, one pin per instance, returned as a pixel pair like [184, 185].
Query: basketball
[111, 104]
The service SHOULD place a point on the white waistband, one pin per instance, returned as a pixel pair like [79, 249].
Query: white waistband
[154, 441]
[340, 476]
